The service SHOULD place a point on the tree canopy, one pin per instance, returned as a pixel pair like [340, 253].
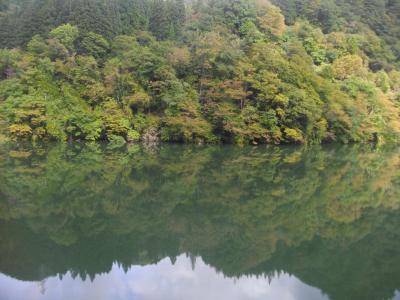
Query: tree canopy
[234, 71]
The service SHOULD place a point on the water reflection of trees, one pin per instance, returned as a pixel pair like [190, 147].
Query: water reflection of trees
[328, 215]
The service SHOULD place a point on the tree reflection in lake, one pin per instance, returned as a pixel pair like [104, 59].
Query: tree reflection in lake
[327, 215]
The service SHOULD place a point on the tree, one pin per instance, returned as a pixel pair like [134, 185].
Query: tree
[66, 35]
[158, 20]
[94, 44]
[271, 20]
[348, 65]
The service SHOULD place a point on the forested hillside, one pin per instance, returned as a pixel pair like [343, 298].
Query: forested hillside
[233, 71]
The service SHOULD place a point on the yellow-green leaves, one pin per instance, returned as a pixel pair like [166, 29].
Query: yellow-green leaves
[349, 65]
[66, 34]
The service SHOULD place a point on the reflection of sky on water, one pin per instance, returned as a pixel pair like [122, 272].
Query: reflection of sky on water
[161, 281]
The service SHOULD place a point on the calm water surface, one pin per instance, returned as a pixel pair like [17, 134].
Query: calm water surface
[199, 222]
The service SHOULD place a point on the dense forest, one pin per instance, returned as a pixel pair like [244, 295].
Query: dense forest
[207, 71]
[327, 214]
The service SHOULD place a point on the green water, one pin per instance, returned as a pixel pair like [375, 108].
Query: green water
[199, 222]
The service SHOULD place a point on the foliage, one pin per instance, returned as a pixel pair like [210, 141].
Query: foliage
[241, 71]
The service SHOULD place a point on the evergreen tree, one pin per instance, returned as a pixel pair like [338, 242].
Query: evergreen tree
[158, 22]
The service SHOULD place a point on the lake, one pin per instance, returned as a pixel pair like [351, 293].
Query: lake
[91, 221]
